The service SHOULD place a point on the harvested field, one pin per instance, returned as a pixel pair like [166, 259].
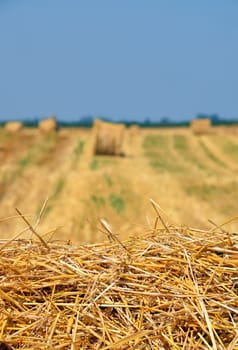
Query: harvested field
[171, 288]
[182, 172]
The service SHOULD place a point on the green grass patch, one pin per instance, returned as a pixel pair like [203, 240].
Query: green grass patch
[6, 177]
[94, 164]
[161, 157]
[162, 165]
[41, 150]
[77, 152]
[231, 149]
[220, 197]
[79, 149]
[58, 188]
[211, 191]
[180, 143]
[47, 210]
[211, 155]
[102, 161]
[108, 180]
[117, 203]
[25, 161]
[152, 141]
[9, 176]
[99, 201]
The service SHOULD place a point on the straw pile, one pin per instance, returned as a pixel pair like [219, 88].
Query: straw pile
[201, 126]
[173, 288]
[48, 125]
[108, 138]
[13, 126]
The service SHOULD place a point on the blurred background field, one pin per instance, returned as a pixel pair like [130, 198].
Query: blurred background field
[192, 177]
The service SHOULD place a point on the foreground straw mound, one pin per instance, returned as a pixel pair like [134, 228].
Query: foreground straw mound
[108, 138]
[166, 290]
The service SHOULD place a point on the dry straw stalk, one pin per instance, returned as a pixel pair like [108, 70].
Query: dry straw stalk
[173, 288]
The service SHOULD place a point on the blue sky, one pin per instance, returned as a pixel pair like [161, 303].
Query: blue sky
[129, 59]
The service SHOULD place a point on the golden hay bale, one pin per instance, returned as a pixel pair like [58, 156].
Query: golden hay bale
[201, 126]
[49, 124]
[13, 126]
[108, 138]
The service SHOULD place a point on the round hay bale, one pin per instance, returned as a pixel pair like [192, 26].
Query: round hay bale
[108, 138]
[48, 125]
[201, 126]
[13, 126]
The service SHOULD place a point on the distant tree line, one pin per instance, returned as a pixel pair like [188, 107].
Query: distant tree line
[87, 122]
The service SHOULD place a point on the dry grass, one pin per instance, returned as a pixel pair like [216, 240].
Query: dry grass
[171, 288]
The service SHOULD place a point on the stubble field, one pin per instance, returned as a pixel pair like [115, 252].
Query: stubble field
[192, 178]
